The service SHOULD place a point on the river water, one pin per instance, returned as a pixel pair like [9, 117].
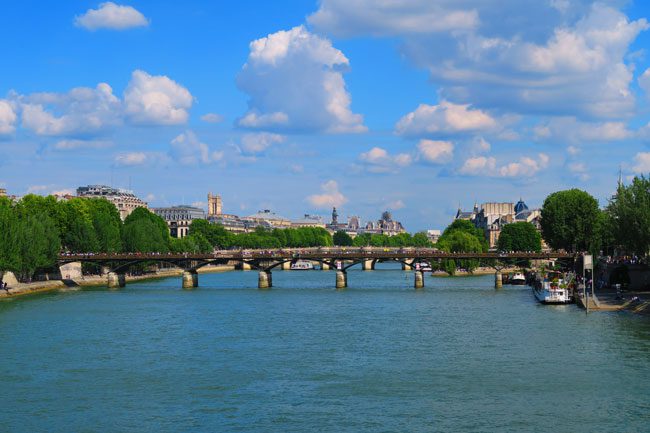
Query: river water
[377, 357]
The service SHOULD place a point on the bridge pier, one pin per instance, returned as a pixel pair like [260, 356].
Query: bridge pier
[407, 265]
[286, 266]
[245, 266]
[116, 281]
[324, 267]
[498, 280]
[419, 280]
[368, 265]
[264, 280]
[341, 279]
[190, 280]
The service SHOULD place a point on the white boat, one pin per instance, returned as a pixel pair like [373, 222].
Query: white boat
[302, 265]
[553, 288]
[518, 279]
[423, 266]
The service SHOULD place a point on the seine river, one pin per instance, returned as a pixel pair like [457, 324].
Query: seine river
[378, 357]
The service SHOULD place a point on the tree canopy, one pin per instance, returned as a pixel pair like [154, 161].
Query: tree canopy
[569, 220]
[519, 236]
[629, 213]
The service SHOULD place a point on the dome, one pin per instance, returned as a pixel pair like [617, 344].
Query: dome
[520, 206]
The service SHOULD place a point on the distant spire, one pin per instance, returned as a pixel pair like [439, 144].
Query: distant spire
[620, 176]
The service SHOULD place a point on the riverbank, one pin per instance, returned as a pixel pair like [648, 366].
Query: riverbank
[609, 300]
[476, 272]
[22, 289]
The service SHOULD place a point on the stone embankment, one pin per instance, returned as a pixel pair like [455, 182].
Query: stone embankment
[19, 289]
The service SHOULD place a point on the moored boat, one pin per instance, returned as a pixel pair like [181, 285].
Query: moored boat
[554, 288]
[518, 279]
[302, 265]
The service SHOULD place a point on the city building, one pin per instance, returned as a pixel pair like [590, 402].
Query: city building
[266, 218]
[309, 221]
[385, 226]
[179, 218]
[3, 192]
[492, 217]
[124, 200]
[232, 223]
[214, 205]
[434, 235]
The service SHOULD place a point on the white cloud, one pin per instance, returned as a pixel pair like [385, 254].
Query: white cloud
[187, 149]
[378, 160]
[479, 166]
[444, 119]
[72, 144]
[81, 111]
[212, 118]
[642, 163]
[579, 170]
[7, 118]
[295, 82]
[395, 205]
[487, 166]
[573, 150]
[156, 100]
[345, 18]
[572, 130]
[35, 189]
[111, 16]
[259, 142]
[480, 145]
[436, 151]
[63, 192]
[545, 57]
[330, 197]
[131, 159]
[254, 120]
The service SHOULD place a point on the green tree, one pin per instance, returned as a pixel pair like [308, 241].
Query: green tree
[569, 220]
[106, 221]
[34, 244]
[519, 236]
[342, 239]
[421, 240]
[460, 241]
[466, 227]
[629, 213]
[145, 232]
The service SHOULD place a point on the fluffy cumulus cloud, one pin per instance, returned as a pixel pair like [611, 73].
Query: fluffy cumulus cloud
[295, 82]
[85, 112]
[7, 118]
[444, 119]
[258, 142]
[81, 111]
[378, 160]
[136, 159]
[642, 163]
[435, 151]
[547, 57]
[187, 149]
[156, 100]
[111, 16]
[487, 166]
[345, 18]
[330, 197]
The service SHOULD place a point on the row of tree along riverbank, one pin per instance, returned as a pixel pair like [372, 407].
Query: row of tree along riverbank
[35, 229]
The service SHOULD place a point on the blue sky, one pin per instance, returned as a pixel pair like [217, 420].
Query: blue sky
[415, 106]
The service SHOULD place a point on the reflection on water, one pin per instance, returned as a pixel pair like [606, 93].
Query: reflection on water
[458, 356]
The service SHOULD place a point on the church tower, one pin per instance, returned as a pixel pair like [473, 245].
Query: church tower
[214, 204]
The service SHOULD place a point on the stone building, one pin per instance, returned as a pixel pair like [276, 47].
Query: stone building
[309, 221]
[179, 218]
[385, 225]
[492, 216]
[266, 218]
[124, 200]
[214, 204]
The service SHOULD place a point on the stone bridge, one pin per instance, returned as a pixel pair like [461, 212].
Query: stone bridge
[338, 258]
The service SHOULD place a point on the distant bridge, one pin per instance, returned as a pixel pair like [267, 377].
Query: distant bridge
[339, 258]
